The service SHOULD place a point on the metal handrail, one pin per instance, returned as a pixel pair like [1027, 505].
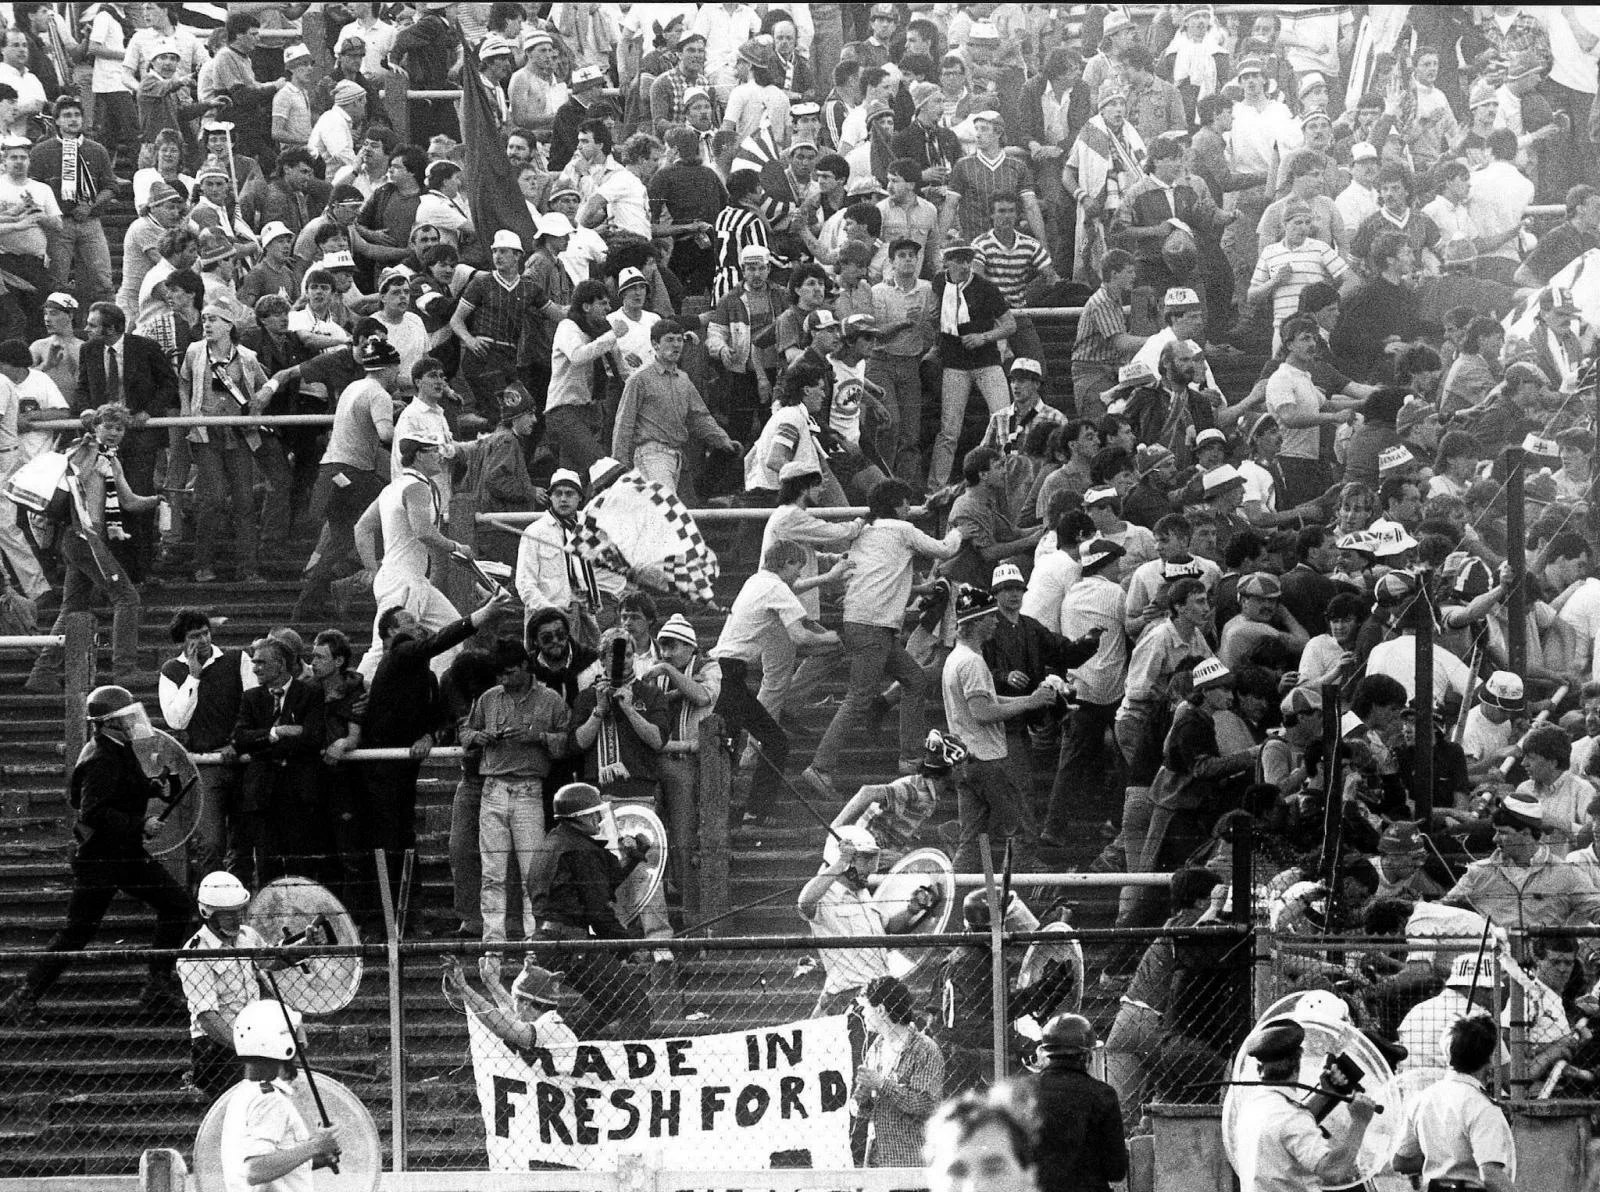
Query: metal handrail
[263, 420]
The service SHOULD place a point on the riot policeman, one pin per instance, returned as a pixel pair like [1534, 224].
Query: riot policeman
[1279, 1144]
[110, 792]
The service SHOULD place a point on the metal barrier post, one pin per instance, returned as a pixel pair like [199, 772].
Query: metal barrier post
[397, 1020]
[79, 664]
[1517, 557]
[997, 960]
[716, 780]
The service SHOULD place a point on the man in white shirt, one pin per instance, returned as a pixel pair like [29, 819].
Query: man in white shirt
[30, 91]
[1360, 198]
[622, 198]
[15, 367]
[333, 135]
[116, 114]
[769, 602]
[1456, 1135]
[725, 27]
[29, 212]
[988, 799]
[1500, 197]
[1263, 130]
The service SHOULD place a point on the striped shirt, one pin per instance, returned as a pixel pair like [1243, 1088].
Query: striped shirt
[977, 180]
[1102, 320]
[502, 312]
[734, 229]
[1311, 261]
[1011, 269]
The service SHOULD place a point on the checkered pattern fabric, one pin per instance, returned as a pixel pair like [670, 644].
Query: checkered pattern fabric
[638, 528]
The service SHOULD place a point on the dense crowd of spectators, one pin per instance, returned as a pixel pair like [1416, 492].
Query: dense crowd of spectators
[1327, 264]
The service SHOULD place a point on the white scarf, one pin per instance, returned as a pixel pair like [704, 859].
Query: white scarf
[1195, 61]
[953, 309]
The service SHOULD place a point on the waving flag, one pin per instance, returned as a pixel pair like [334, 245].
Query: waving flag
[496, 202]
[639, 529]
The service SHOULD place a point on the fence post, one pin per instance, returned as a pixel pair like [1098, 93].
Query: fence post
[997, 959]
[1517, 557]
[397, 1020]
[1242, 834]
[79, 663]
[716, 780]
[1521, 1087]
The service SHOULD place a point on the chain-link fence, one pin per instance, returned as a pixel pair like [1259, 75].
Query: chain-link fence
[731, 1054]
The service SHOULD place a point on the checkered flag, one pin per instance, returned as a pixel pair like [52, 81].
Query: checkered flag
[642, 530]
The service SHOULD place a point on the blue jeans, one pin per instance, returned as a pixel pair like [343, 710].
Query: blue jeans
[875, 655]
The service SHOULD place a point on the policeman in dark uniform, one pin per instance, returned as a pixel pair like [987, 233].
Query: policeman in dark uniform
[1081, 1147]
[110, 792]
[1278, 1143]
[966, 991]
[573, 879]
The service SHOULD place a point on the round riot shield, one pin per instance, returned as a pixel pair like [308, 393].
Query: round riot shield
[177, 807]
[360, 1154]
[1329, 1033]
[295, 910]
[928, 867]
[635, 819]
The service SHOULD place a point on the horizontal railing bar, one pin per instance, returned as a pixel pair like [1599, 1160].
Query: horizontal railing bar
[263, 420]
[20, 640]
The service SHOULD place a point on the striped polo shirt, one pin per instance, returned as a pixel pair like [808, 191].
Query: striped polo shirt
[1011, 269]
[1102, 320]
[1312, 261]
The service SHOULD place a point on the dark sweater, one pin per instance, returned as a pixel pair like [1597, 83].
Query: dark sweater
[405, 700]
[216, 709]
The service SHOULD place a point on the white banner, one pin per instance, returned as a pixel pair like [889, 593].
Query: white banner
[770, 1097]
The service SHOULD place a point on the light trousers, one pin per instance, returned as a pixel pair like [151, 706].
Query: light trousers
[510, 824]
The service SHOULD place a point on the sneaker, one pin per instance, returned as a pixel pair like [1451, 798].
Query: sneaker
[42, 683]
[205, 575]
[819, 782]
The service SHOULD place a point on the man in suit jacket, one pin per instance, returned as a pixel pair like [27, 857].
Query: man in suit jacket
[1053, 107]
[283, 823]
[129, 370]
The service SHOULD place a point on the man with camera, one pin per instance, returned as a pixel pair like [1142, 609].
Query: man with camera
[620, 725]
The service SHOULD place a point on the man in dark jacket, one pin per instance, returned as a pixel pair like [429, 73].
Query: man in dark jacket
[571, 884]
[111, 794]
[283, 825]
[1081, 1148]
[405, 711]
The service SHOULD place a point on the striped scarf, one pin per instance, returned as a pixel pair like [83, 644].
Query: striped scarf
[684, 726]
[580, 572]
[77, 184]
[609, 745]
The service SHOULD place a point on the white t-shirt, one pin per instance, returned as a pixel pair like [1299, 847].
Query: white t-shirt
[14, 197]
[377, 37]
[448, 215]
[257, 1122]
[764, 605]
[1290, 388]
[409, 337]
[1398, 660]
[636, 342]
[1570, 66]
[1582, 612]
[791, 425]
[110, 75]
[1481, 739]
[1259, 485]
[849, 388]
[966, 676]
[302, 319]
[627, 202]
[42, 389]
